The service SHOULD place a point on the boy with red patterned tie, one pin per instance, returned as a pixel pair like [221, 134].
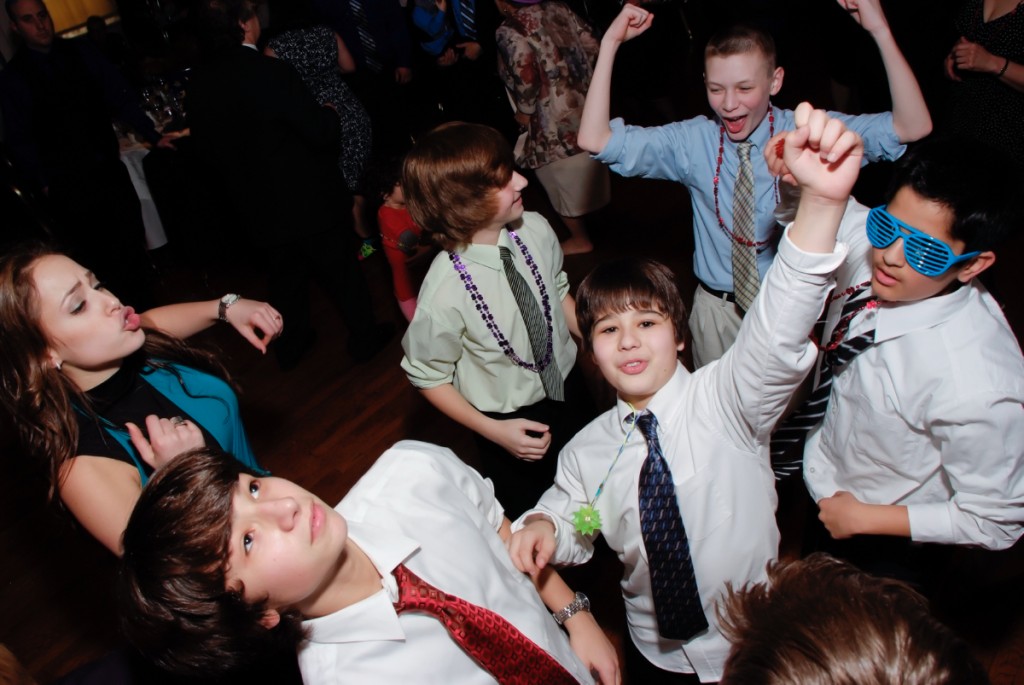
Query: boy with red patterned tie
[407, 580]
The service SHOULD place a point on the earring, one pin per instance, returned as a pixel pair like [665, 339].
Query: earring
[58, 365]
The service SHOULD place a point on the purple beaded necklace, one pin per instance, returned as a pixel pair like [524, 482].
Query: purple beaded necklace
[485, 311]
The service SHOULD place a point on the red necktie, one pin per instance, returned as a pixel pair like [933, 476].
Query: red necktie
[494, 643]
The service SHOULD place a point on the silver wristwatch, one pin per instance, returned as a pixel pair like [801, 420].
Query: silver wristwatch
[581, 603]
[225, 302]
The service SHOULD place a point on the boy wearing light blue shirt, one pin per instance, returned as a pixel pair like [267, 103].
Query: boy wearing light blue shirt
[741, 77]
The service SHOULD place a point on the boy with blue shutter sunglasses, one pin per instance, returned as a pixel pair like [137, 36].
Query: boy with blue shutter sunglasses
[924, 253]
[920, 436]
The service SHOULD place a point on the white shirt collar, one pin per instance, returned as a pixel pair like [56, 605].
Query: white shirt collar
[895, 319]
[373, 618]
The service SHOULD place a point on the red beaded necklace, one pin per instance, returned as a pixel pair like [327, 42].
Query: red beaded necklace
[760, 245]
[839, 333]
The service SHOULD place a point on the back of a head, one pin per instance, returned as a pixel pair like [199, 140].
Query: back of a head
[738, 39]
[629, 283]
[979, 184]
[220, 26]
[449, 176]
[820, 621]
[175, 606]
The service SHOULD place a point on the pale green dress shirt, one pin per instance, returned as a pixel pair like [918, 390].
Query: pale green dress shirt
[448, 341]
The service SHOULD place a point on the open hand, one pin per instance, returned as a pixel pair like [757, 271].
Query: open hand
[167, 439]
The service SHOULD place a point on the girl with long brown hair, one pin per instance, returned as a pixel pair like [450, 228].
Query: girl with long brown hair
[103, 395]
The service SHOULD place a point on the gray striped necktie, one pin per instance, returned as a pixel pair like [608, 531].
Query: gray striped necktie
[745, 279]
[550, 376]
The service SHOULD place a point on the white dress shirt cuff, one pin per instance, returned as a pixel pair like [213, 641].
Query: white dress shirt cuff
[931, 522]
[812, 263]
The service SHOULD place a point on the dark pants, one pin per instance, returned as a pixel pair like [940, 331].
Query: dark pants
[519, 483]
[640, 671]
[329, 260]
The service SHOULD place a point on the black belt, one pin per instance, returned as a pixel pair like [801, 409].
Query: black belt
[720, 294]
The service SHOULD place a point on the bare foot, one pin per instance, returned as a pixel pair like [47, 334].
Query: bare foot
[577, 246]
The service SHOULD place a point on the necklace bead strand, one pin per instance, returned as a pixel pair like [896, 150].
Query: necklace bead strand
[488, 317]
[760, 245]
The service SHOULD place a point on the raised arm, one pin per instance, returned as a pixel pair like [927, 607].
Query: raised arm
[910, 117]
[824, 158]
[257, 322]
[594, 129]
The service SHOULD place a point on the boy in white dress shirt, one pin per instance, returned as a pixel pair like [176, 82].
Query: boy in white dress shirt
[220, 564]
[923, 437]
[713, 426]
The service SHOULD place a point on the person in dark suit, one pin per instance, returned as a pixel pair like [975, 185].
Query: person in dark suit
[255, 122]
[58, 99]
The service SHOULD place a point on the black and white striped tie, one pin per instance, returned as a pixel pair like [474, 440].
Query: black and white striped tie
[467, 14]
[788, 438]
[550, 376]
[371, 55]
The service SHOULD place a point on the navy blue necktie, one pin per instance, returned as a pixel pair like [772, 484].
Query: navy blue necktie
[676, 599]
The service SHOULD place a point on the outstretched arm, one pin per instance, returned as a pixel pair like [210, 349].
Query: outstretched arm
[910, 117]
[594, 129]
[247, 316]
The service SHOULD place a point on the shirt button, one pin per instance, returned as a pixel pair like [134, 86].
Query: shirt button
[811, 469]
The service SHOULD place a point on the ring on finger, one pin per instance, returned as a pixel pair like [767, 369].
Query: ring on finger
[177, 421]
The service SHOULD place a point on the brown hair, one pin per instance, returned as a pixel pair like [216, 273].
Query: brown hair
[820, 621]
[44, 401]
[175, 604]
[630, 283]
[449, 178]
[740, 39]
